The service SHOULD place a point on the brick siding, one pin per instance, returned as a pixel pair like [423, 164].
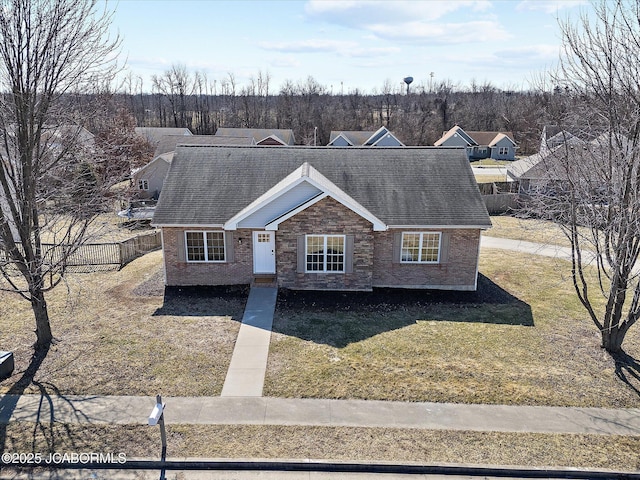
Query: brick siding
[456, 272]
[329, 217]
[180, 273]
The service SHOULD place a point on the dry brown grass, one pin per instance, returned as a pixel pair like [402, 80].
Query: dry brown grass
[528, 229]
[483, 178]
[455, 352]
[115, 336]
[337, 443]
[105, 228]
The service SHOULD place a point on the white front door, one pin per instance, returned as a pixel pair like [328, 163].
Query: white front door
[264, 252]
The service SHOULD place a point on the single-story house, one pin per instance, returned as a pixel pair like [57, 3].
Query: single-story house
[380, 138]
[261, 136]
[479, 145]
[321, 218]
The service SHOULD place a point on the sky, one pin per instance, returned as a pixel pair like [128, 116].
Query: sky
[344, 45]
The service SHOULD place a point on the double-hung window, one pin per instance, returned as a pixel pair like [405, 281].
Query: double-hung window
[420, 247]
[503, 151]
[143, 184]
[325, 253]
[205, 246]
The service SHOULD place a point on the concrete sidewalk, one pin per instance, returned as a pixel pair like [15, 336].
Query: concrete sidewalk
[312, 412]
[553, 251]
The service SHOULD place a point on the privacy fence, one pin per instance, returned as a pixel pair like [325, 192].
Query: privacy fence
[500, 197]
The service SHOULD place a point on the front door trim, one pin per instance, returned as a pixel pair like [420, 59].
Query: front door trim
[264, 252]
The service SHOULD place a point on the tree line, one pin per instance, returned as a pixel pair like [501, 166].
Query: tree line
[180, 98]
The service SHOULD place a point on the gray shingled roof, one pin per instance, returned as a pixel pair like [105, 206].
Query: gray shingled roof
[168, 143]
[258, 134]
[410, 186]
[357, 137]
[486, 138]
[154, 134]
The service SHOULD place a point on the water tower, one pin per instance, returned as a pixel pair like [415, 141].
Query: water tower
[408, 81]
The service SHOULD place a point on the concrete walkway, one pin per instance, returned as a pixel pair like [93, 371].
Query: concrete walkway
[553, 251]
[312, 412]
[245, 377]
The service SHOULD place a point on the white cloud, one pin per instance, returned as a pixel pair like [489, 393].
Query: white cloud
[443, 33]
[339, 48]
[532, 57]
[402, 20]
[549, 6]
[362, 12]
[285, 61]
[309, 46]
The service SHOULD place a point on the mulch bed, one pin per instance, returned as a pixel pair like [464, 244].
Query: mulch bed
[385, 298]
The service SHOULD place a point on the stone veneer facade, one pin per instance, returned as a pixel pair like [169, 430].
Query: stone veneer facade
[374, 263]
[327, 217]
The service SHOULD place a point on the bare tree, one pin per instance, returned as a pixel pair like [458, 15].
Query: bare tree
[50, 52]
[176, 85]
[592, 189]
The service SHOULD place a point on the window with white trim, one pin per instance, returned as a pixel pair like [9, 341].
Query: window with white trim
[143, 184]
[205, 246]
[503, 151]
[420, 247]
[325, 253]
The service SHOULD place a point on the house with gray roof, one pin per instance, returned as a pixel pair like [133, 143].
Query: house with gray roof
[168, 143]
[351, 138]
[155, 134]
[148, 180]
[480, 145]
[321, 218]
[553, 136]
[261, 136]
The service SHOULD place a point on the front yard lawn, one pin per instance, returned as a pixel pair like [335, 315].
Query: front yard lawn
[115, 335]
[534, 348]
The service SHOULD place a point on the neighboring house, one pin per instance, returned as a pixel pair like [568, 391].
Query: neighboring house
[569, 160]
[322, 218]
[154, 135]
[479, 145]
[168, 143]
[553, 136]
[517, 169]
[261, 136]
[148, 180]
[380, 138]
